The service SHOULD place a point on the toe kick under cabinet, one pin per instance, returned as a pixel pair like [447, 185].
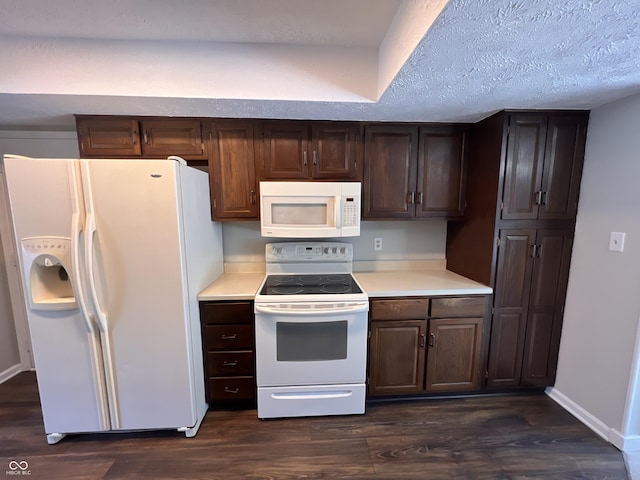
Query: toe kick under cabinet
[229, 353]
[423, 345]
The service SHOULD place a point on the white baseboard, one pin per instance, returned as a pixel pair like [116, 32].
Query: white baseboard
[580, 413]
[627, 444]
[10, 372]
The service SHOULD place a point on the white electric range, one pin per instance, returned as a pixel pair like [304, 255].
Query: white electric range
[311, 332]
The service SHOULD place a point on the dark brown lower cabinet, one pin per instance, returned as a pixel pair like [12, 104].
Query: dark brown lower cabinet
[423, 345]
[229, 353]
[531, 283]
[396, 357]
[453, 361]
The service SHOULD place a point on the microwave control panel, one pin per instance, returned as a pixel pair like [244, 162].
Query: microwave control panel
[350, 211]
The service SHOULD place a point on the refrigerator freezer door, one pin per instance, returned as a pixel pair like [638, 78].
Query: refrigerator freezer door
[66, 352]
[140, 283]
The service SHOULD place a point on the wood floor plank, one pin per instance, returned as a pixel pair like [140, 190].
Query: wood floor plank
[494, 437]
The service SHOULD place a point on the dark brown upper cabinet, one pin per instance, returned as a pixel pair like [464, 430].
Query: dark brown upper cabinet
[232, 172]
[108, 137]
[414, 172]
[310, 150]
[129, 137]
[543, 166]
[165, 137]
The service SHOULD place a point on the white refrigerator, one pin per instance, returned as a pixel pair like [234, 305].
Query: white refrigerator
[113, 253]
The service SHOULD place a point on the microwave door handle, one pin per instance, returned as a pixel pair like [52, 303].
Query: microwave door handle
[339, 212]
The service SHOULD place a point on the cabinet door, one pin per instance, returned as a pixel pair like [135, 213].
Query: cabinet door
[441, 172]
[334, 150]
[162, 138]
[285, 150]
[107, 138]
[232, 172]
[396, 357]
[548, 290]
[390, 171]
[523, 169]
[513, 282]
[564, 156]
[453, 359]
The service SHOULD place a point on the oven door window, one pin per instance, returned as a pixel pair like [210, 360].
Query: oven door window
[308, 342]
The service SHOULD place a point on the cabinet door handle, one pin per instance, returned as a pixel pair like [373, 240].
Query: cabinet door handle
[315, 157]
[227, 363]
[304, 158]
[534, 250]
[253, 197]
[231, 390]
[538, 197]
[538, 251]
[432, 339]
[146, 137]
[422, 340]
[419, 198]
[229, 337]
[134, 136]
[411, 197]
[543, 198]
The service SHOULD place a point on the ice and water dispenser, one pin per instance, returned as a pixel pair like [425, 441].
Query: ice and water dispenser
[47, 265]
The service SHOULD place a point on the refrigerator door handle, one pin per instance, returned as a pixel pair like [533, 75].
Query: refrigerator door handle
[76, 207]
[89, 245]
[78, 213]
[105, 337]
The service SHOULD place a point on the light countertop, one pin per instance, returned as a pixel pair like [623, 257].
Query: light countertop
[405, 283]
[395, 283]
[233, 286]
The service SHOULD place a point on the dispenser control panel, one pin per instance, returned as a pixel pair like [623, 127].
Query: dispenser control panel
[58, 246]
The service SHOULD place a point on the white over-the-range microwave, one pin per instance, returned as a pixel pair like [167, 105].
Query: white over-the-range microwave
[310, 209]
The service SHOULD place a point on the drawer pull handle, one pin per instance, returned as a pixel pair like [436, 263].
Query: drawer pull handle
[231, 390]
[230, 364]
[229, 337]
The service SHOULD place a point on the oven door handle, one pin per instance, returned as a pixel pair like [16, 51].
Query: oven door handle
[308, 310]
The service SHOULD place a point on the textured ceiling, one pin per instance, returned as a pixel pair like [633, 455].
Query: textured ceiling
[477, 57]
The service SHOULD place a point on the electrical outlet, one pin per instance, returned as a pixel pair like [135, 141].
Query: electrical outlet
[616, 241]
[377, 244]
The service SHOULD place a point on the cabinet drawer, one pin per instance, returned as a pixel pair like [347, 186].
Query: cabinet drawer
[229, 337]
[409, 308]
[459, 307]
[235, 312]
[232, 388]
[230, 363]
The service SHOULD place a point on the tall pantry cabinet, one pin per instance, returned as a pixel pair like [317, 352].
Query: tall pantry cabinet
[523, 186]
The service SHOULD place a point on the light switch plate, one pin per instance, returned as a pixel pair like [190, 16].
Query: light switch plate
[616, 241]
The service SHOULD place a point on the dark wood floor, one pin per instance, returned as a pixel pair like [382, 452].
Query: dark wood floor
[505, 437]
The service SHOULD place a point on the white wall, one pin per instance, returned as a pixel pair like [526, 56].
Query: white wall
[15, 346]
[417, 240]
[603, 299]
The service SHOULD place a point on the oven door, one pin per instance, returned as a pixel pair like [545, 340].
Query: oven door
[311, 343]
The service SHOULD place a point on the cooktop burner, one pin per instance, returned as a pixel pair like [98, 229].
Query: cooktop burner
[309, 284]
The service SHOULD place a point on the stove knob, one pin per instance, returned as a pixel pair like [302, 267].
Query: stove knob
[334, 250]
[343, 250]
[326, 250]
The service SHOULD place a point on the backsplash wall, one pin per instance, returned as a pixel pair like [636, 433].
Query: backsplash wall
[410, 240]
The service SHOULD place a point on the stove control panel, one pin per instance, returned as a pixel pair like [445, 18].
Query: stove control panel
[309, 251]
